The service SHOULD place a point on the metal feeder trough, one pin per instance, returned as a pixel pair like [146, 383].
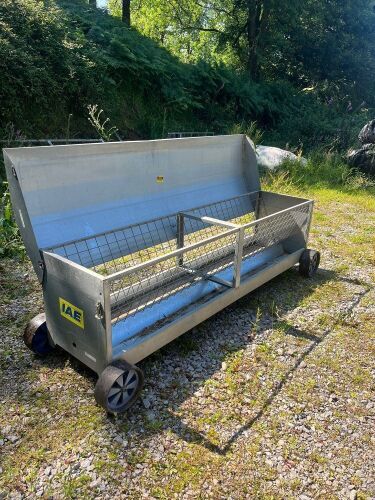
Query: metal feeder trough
[135, 243]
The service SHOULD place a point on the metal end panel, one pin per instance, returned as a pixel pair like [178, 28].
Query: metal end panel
[74, 299]
[77, 191]
[22, 217]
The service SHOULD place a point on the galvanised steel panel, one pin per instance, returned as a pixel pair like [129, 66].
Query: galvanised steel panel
[89, 339]
[81, 195]
[21, 215]
[76, 191]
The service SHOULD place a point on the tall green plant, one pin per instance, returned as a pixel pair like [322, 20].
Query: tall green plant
[250, 129]
[101, 124]
[10, 240]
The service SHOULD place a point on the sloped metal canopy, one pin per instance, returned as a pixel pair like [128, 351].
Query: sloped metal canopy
[64, 193]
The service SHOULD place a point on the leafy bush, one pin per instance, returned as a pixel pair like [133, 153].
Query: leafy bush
[251, 130]
[10, 239]
[57, 57]
[48, 67]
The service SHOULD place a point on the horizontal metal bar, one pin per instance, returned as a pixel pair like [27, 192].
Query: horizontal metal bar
[144, 286]
[43, 141]
[169, 255]
[213, 278]
[280, 212]
[211, 220]
[218, 222]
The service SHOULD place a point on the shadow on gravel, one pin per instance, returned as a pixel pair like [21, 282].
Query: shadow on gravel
[177, 371]
[268, 402]
[315, 340]
[282, 294]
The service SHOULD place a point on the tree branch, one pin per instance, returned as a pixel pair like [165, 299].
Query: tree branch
[191, 27]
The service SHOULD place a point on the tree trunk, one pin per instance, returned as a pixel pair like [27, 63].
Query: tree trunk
[254, 24]
[126, 12]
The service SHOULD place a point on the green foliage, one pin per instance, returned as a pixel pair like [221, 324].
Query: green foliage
[59, 56]
[48, 67]
[101, 125]
[10, 240]
[305, 121]
[325, 45]
[322, 170]
[251, 130]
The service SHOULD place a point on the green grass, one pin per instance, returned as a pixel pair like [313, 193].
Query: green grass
[323, 171]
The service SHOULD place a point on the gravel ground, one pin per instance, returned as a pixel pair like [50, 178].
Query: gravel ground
[274, 397]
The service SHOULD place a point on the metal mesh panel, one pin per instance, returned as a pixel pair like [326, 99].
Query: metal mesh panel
[113, 251]
[117, 250]
[278, 228]
[238, 210]
[142, 283]
[144, 287]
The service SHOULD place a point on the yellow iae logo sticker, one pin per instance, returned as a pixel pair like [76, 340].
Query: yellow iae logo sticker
[71, 312]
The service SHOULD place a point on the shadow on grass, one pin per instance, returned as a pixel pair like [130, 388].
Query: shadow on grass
[282, 294]
[315, 340]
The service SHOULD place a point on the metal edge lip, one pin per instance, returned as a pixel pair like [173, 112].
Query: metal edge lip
[150, 144]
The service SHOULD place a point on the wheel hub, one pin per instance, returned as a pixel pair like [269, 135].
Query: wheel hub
[123, 389]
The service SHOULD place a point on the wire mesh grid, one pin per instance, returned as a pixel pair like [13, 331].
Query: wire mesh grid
[122, 249]
[143, 288]
[113, 251]
[238, 210]
[274, 229]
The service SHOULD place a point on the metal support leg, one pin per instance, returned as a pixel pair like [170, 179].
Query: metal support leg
[257, 206]
[180, 237]
[257, 210]
[238, 257]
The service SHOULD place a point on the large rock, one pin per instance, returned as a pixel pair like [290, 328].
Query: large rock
[367, 134]
[363, 159]
[271, 158]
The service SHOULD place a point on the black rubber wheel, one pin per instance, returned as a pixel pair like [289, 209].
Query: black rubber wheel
[118, 386]
[309, 262]
[36, 336]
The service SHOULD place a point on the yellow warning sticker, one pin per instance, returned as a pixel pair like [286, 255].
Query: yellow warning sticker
[71, 312]
[160, 179]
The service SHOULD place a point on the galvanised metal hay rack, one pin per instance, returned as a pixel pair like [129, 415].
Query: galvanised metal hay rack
[135, 243]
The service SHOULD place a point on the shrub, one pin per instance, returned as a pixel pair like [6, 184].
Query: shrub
[322, 170]
[57, 57]
[10, 239]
